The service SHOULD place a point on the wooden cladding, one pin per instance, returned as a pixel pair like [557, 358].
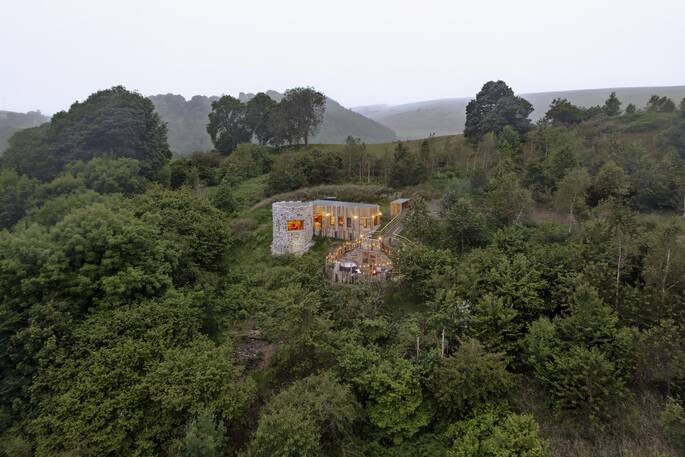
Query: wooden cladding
[344, 220]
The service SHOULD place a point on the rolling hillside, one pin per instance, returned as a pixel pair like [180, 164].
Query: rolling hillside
[10, 122]
[447, 116]
[187, 120]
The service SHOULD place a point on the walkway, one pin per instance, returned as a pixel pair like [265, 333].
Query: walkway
[368, 258]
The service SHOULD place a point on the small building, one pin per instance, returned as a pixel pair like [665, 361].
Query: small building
[397, 206]
[292, 227]
[295, 223]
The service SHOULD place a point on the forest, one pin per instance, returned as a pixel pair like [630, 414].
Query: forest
[540, 310]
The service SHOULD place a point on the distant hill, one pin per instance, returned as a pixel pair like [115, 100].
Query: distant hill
[10, 122]
[187, 121]
[447, 116]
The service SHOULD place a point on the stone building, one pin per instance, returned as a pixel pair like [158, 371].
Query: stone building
[296, 223]
[292, 227]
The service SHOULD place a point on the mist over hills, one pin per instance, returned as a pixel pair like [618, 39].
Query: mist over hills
[10, 122]
[187, 121]
[447, 116]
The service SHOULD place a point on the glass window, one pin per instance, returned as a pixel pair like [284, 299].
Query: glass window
[366, 222]
[349, 222]
[331, 220]
[294, 225]
[341, 221]
[376, 220]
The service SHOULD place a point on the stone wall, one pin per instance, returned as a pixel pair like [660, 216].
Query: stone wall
[294, 241]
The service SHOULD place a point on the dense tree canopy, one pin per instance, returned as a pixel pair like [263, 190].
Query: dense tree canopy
[495, 107]
[110, 123]
[228, 126]
[538, 280]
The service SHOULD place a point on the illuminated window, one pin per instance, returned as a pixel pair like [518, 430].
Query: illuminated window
[366, 222]
[341, 221]
[376, 220]
[331, 220]
[296, 224]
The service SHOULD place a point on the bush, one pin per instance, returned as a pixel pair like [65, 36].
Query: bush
[468, 378]
[673, 423]
[106, 176]
[495, 432]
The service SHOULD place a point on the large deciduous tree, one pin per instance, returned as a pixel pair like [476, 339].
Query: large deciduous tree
[110, 123]
[228, 125]
[257, 112]
[563, 113]
[495, 107]
[304, 107]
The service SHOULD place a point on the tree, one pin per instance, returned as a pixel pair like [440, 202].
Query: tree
[304, 108]
[661, 357]
[223, 197]
[612, 106]
[313, 416]
[406, 168]
[583, 358]
[469, 378]
[111, 123]
[228, 126]
[495, 107]
[658, 104]
[203, 437]
[496, 432]
[465, 227]
[610, 182]
[105, 175]
[197, 230]
[673, 423]
[395, 399]
[563, 113]
[505, 200]
[15, 194]
[354, 156]
[571, 193]
[631, 109]
[257, 112]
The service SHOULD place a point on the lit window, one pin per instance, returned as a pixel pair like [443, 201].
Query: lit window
[294, 225]
[366, 222]
[376, 220]
[341, 221]
[331, 220]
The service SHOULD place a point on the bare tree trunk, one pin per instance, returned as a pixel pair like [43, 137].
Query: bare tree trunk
[418, 349]
[618, 269]
[665, 276]
[442, 352]
[570, 214]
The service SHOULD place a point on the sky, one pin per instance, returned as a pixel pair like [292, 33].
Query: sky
[54, 52]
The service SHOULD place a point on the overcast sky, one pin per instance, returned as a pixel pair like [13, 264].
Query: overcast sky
[53, 52]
